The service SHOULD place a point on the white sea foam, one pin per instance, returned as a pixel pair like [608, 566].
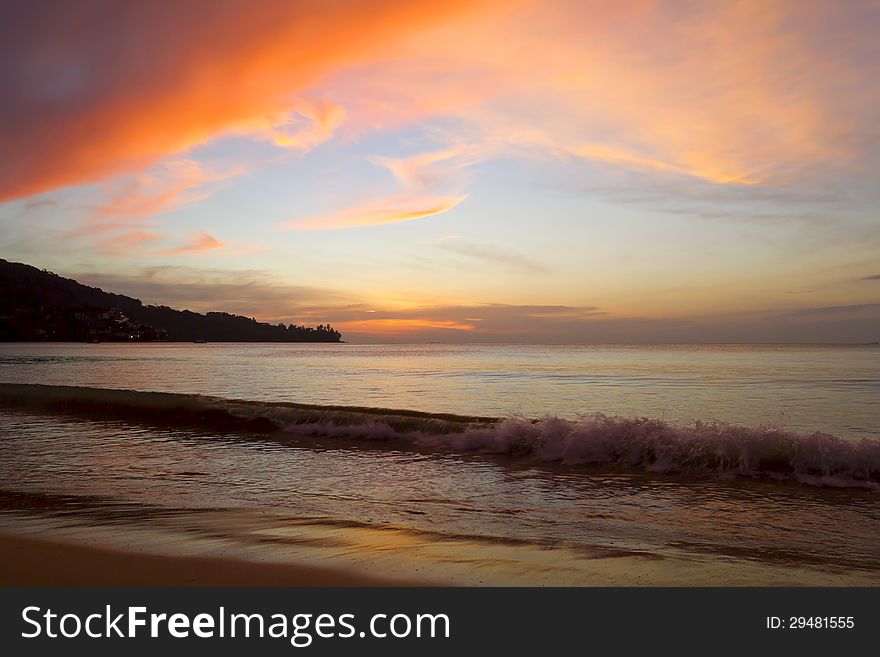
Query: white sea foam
[596, 440]
[642, 443]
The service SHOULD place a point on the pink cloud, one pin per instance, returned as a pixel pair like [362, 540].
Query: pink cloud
[128, 241]
[200, 242]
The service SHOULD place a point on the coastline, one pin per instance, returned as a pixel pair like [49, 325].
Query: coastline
[27, 561]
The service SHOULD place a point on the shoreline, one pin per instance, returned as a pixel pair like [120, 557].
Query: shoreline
[41, 562]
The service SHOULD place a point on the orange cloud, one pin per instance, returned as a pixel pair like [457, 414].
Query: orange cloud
[425, 174]
[458, 322]
[200, 242]
[625, 159]
[128, 241]
[308, 126]
[392, 327]
[382, 211]
[122, 222]
[98, 89]
[170, 186]
[738, 93]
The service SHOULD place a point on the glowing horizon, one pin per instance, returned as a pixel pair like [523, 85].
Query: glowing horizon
[659, 171]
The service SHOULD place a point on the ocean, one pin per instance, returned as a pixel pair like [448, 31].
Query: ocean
[457, 464]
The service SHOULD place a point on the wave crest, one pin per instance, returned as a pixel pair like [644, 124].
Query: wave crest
[657, 446]
[598, 441]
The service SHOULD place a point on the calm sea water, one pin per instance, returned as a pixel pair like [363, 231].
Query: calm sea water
[449, 516]
[835, 389]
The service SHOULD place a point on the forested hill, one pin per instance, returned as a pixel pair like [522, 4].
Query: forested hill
[39, 305]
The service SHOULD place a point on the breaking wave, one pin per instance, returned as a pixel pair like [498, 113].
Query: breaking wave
[596, 440]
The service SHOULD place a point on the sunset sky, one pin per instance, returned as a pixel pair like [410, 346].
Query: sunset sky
[554, 171]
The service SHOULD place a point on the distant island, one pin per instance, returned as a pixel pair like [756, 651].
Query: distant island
[37, 305]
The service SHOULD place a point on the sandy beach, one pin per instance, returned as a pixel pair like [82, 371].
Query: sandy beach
[38, 562]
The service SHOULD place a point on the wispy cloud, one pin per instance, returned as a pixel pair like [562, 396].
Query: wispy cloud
[249, 292]
[95, 96]
[492, 254]
[740, 94]
[200, 242]
[762, 113]
[627, 159]
[580, 325]
[394, 328]
[839, 310]
[380, 211]
[485, 322]
[126, 242]
[203, 243]
[126, 219]
[430, 179]
[307, 126]
[263, 295]
[430, 169]
[167, 187]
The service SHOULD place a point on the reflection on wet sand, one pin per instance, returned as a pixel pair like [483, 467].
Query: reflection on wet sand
[390, 553]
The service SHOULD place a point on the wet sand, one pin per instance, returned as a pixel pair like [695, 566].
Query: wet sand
[38, 562]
